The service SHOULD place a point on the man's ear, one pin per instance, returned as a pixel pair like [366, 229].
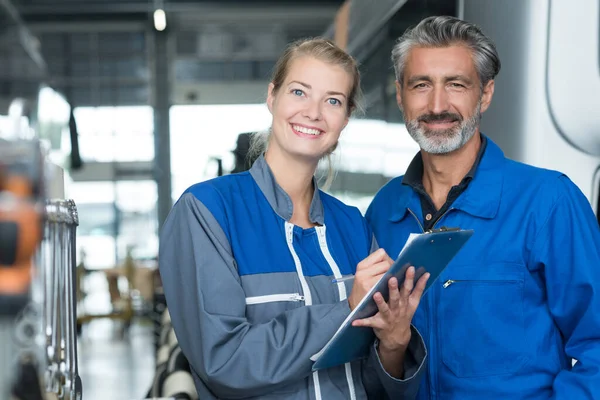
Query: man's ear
[486, 97]
[270, 97]
[398, 94]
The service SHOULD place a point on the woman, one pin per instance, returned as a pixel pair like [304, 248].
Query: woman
[247, 260]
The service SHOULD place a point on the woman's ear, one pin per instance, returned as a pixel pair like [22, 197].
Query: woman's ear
[346, 122]
[270, 97]
[348, 116]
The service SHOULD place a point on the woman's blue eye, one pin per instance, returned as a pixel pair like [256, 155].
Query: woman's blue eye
[334, 102]
[297, 92]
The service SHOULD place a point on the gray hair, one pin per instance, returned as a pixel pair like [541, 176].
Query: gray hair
[446, 31]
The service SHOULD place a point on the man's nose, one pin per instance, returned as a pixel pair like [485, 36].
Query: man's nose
[438, 100]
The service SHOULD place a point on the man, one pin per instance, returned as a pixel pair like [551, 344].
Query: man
[521, 300]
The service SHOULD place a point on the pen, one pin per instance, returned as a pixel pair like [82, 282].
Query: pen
[344, 279]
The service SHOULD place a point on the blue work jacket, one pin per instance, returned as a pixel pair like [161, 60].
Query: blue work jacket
[521, 300]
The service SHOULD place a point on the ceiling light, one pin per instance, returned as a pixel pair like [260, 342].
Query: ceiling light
[160, 19]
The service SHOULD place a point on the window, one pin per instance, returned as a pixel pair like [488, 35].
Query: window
[202, 134]
[97, 222]
[370, 152]
[138, 221]
[115, 216]
[115, 133]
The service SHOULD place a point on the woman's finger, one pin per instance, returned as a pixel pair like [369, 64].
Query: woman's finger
[373, 258]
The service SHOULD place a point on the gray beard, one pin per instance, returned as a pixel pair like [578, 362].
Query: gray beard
[447, 140]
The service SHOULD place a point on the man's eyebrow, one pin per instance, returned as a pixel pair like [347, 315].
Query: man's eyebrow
[459, 77]
[427, 78]
[418, 78]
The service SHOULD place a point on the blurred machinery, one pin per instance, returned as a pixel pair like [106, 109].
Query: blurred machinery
[243, 162]
[21, 214]
[38, 348]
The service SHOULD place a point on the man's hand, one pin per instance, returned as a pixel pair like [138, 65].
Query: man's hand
[368, 272]
[392, 323]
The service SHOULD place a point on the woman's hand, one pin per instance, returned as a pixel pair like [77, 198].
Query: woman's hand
[368, 272]
[392, 323]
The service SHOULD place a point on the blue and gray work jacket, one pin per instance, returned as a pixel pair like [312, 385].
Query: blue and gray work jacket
[251, 296]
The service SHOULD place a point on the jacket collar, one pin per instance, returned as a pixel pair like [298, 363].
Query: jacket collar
[480, 199]
[278, 199]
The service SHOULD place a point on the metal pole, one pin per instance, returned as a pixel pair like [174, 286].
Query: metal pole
[162, 105]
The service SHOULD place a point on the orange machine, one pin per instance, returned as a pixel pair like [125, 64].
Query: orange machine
[20, 219]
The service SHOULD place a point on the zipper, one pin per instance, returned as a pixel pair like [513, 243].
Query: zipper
[332, 264]
[341, 291]
[498, 282]
[432, 302]
[289, 236]
[430, 323]
[289, 231]
[271, 298]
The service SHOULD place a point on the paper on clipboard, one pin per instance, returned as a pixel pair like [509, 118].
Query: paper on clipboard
[428, 252]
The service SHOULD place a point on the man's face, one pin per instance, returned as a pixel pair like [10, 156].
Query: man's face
[441, 97]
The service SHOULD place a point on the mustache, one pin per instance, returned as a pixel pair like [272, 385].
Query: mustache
[445, 116]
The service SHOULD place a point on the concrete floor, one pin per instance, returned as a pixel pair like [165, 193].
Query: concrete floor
[113, 365]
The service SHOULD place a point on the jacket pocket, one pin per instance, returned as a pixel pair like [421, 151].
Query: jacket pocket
[482, 321]
[270, 298]
[262, 309]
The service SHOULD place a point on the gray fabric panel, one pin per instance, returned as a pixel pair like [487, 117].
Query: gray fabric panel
[234, 358]
[374, 245]
[275, 282]
[334, 381]
[270, 284]
[278, 198]
[414, 367]
[324, 290]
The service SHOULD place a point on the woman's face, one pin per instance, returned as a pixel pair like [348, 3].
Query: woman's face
[309, 109]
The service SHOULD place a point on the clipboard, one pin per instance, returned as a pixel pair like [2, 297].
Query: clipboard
[427, 252]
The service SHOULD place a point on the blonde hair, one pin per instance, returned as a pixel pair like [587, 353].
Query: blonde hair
[323, 50]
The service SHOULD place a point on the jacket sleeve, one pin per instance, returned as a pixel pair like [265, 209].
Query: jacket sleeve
[234, 358]
[379, 384]
[567, 249]
[382, 386]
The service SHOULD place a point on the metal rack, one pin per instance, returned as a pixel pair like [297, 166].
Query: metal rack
[45, 331]
[57, 279]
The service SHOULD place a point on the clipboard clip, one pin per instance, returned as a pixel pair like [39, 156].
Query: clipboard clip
[443, 229]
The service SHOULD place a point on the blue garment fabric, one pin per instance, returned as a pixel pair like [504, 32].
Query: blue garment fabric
[521, 300]
[251, 298]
